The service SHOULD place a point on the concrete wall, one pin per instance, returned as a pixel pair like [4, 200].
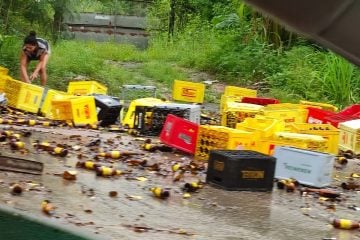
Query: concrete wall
[98, 27]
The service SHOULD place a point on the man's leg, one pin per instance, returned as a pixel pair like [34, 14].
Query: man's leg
[43, 75]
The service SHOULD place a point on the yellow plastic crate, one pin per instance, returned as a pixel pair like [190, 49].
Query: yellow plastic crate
[350, 136]
[324, 106]
[188, 91]
[299, 140]
[327, 131]
[4, 71]
[86, 88]
[46, 106]
[3, 79]
[261, 126]
[240, 92]
[288, 115]
[130, 114]
[219, 137]
[235, 112]
[80, 110]
[23, 96]
[225, 100]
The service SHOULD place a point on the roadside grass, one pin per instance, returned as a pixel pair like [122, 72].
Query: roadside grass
[339, 82]
[302, 72]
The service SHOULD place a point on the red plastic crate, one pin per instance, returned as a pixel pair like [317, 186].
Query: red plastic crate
[339, 118]
[317, 115]
[353, 110]
[179, 133]
[260, 101]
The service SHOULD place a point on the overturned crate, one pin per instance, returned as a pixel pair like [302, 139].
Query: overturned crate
[23, 96]
[327, 131]
[150, 120]
[79, 110]
[221, 138]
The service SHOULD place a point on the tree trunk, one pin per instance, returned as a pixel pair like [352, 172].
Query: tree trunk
[7, 25]
[57, 24]
[171, 19]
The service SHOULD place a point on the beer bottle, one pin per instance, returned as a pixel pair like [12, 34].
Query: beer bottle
[149, 147]
[350, 185]
[134, 162]
[341, 160]
[47, 207]
[288, 184]
[175, 167]
[116, 154]
[179, 176]
[107, 171]
[160, 193]
[32, 122]
[16, 144]
[345, 224]
[88, 165]
[16, 189]
[328, 193]
[62, 152]
[192, 186]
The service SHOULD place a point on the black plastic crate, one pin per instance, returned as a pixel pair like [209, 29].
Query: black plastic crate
[242, 170]
[150, 120]
[160, 114]
[108, 109]
[143, 120]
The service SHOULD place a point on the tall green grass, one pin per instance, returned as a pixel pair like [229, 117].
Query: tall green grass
[339, 82]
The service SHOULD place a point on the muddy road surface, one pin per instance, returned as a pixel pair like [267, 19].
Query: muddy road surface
[134, 213]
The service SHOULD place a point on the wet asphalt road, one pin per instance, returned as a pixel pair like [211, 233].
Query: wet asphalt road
[211, 213]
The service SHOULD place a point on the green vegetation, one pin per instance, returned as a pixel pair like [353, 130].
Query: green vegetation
[226, 39]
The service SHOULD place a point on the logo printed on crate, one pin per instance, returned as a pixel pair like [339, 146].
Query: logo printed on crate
[188, 92]
[27, 97]
[219, 166]
[297, 169]
[252, 174]
[168, 127]
[185, 138]
[87, 111]
[289, 120]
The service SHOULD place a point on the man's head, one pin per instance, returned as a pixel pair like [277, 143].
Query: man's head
[30, 42]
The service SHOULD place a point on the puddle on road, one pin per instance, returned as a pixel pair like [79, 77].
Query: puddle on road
[210, 214]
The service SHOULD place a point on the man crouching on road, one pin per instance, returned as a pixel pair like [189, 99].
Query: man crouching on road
[34, 49]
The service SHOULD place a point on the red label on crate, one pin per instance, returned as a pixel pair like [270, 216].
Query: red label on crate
[188, 92]
[87, 111]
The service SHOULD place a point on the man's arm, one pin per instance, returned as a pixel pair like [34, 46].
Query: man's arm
[23, 68]
[41, 65]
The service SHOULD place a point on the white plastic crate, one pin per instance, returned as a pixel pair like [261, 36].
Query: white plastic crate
[350, 136]
[308, 167]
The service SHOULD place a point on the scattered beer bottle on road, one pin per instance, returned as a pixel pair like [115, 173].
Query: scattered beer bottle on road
[117, 154]
[345, 224]
[47, 207]
[62, 152]
[88, 165]
[16, 145]
[107, 171]
[160, 193]
[192, 186]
